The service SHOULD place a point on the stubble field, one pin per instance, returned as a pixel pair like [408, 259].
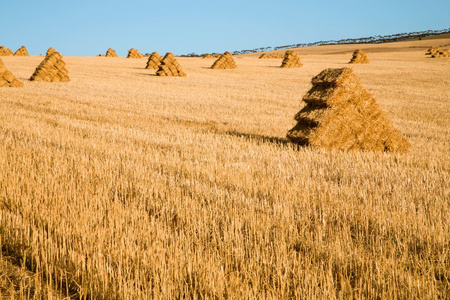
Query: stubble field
[124, 185]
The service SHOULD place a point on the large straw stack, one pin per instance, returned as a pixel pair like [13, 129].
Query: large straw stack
[22, 51]
[170, 67]
[359, 57]
[111, 53]
[50, 51]
[5, 51]
[341, 114]
[225, 61]
[291, 60]
[51, 69]
[7, 79]
[154, 60]
[133, 53]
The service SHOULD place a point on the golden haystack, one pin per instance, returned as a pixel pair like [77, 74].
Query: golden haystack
[169, 66]
[291, 60]
[22, 51]
[432, 50]
[7, 79]
[111, 53]
[441, 53]
[50, 51]
[271, 55]
[216, 55]
[154, 60]
[133, 53]
[51, 69]
[5, 51]
[359, 57]
[225, 61]
[341, 114]
[207, 55]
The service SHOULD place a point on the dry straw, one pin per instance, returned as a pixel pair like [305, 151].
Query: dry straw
[432, 50]
[207, 55]
[111, 53]
[50, 51]
[22, 51]
[170, 67]
[51, 69]
[133, 53]
[291, 60]
[359, 57]
[225, 61]
[441, 53]
[7, 79]
[5, 51]
[154, 60]
[340, 113]
[271, 55]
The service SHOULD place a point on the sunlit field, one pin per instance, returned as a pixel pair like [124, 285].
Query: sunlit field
[123, 185]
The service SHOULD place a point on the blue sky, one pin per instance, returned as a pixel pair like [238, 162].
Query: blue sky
[88, 28]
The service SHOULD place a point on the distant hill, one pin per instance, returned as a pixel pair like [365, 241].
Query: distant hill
[378, 39]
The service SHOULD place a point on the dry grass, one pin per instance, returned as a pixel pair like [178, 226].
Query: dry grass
[122, 184]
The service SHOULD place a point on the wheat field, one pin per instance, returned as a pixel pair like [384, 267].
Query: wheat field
[123, 185]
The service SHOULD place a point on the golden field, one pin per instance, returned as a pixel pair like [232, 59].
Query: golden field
[123, 185]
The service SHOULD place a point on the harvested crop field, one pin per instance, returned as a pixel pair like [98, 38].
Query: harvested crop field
[125, 185]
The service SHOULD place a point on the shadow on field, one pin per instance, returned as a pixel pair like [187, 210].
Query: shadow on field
[260, 138]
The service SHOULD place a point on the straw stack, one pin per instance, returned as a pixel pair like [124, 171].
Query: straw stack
[51, 69]
[111, 53]
[22, 51]
[271, 55]
[5, 51]
[170, 67]
[291, 60]
[341, 114]
[154, 60]
[133, 53]
[441, 53]
[7, 79]
[359, 57]
[225, 61]
[207, 55]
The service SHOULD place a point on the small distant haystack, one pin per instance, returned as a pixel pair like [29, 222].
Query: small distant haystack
[101, 55]
[7, 79]
[154, 60]
[51, 69]
[133, 53]
[359, 57]
[22, 51]
[291, 60]
[341, 114]
[5, 51]
[441, 53]
[225, 61]
[432, 50]
[111, 53]
[207, 55]
[216, 55]
[50, 51]
[170, 67]
[271, 55]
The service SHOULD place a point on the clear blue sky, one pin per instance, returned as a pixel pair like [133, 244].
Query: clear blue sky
[88, 28]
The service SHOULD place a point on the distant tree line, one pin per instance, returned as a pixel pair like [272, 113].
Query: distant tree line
[378, 39]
